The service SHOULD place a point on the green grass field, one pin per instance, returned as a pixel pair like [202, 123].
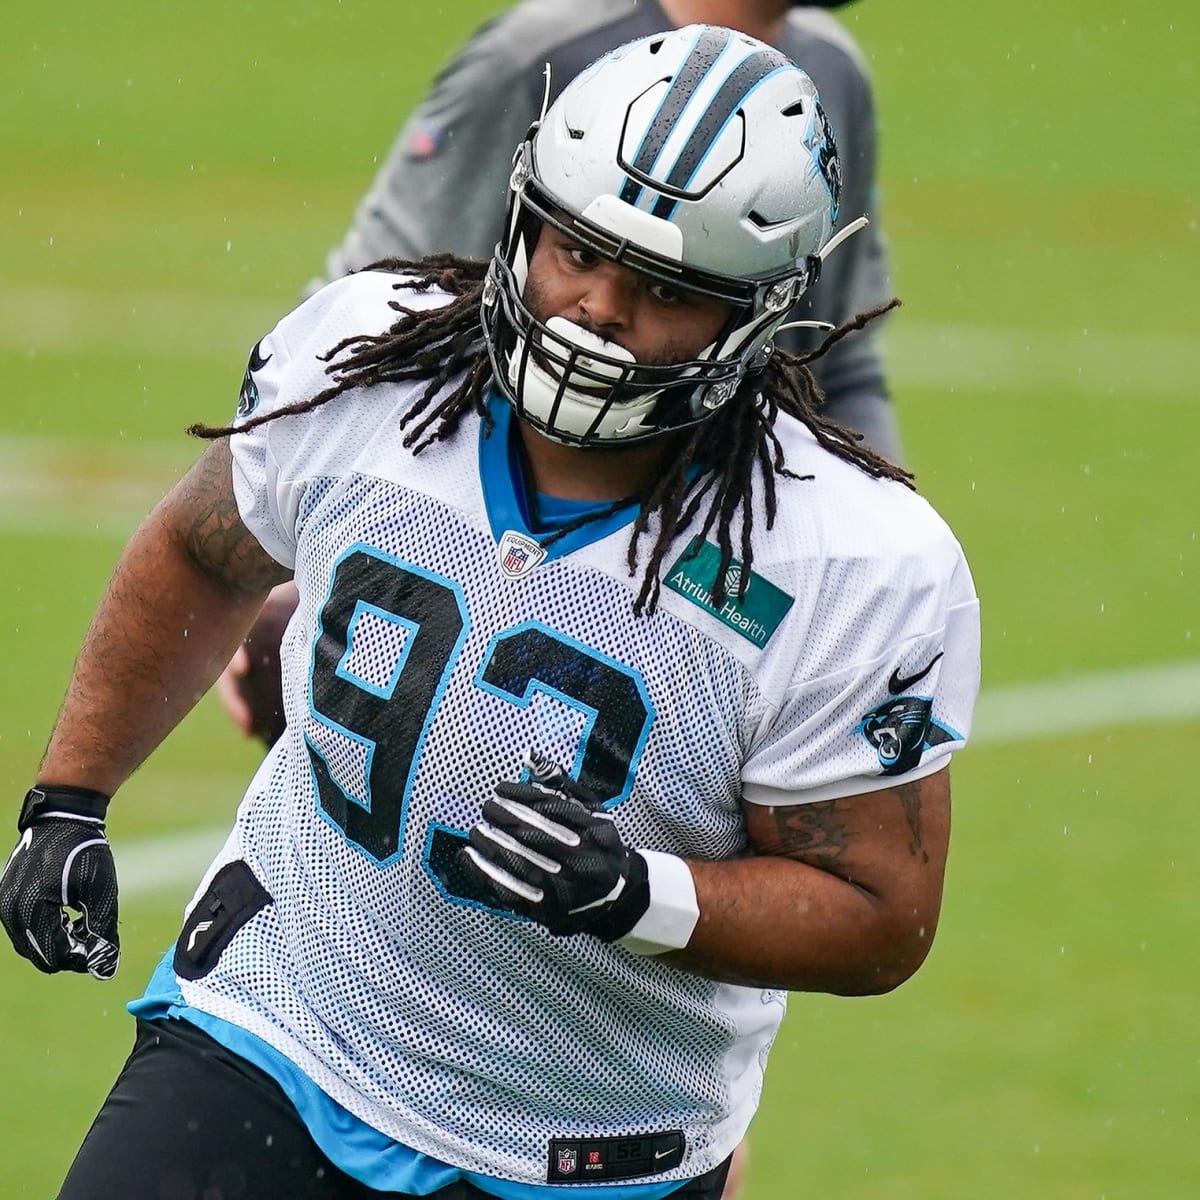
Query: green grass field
[171, 179]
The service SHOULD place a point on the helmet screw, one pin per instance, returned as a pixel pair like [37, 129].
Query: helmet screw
[762, 356]
[719, 394]
[520, 172]
[778, 297]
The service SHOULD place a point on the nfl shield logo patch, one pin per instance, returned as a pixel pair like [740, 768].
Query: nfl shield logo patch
[518, 554]
[567, 1160]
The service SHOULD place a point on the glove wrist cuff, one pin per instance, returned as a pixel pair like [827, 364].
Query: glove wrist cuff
[669, 921]
[49, 800]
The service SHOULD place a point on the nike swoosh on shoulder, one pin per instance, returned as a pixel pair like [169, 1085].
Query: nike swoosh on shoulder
[898, 683]
[257, 362]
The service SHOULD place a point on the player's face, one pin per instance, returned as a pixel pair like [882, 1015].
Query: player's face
[656, 323]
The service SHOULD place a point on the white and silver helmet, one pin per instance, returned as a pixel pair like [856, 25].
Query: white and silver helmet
[699, 157]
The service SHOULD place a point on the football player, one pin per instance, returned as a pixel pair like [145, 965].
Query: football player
[458, 143]
[619, 697]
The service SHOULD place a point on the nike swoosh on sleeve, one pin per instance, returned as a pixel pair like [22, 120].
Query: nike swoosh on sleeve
[898, 683]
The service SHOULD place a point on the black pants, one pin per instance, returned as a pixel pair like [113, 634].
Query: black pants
[188, 1120]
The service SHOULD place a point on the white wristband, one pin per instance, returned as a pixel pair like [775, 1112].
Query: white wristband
[669, 921]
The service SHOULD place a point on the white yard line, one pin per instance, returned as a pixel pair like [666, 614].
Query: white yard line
[1085, 363]
[170, 862]
[967, 358]
[1020, 712]
[1104, 700]
[179, 325]
[82, 489]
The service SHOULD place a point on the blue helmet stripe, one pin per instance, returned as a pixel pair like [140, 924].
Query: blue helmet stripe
[749, 74]
[707, 48]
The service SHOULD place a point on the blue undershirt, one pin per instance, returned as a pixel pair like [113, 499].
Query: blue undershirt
[542, 513]
[512, 504]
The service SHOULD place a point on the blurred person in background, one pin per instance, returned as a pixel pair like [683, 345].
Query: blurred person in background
[620, 697]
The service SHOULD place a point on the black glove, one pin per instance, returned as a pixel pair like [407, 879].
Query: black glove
[547, 850]
[61, 865]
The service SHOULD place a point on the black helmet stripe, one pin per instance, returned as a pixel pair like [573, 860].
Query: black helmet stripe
[700, 59]
[741, 82]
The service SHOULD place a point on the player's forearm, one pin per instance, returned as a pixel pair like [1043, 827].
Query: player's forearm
[772, 922]
[161, 635]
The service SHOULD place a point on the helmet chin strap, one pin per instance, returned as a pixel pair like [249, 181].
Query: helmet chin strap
[826, 325]
[825, 251]
[545, 93]
[841, 235]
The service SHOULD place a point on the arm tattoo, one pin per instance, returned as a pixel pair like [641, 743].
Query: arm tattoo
[811, 833]
[215, 537]
[910, 801]
[822, 834]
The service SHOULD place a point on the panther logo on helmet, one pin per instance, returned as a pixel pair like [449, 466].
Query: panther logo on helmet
[825, 154]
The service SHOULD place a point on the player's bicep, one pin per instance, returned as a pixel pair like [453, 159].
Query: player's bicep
[200, 514]
[891, 842]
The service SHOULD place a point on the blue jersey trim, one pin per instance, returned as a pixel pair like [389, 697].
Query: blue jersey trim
[504, 494]
[350, 1143]
[554, 512]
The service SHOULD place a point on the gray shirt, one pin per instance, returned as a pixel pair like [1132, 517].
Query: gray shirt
[442, 186]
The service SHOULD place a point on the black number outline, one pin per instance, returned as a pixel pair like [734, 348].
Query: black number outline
[376, 829]
[517, 663]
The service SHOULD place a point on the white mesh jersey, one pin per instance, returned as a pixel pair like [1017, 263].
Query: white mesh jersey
[417, 673]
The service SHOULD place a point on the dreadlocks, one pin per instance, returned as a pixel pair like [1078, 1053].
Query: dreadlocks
[729, 448]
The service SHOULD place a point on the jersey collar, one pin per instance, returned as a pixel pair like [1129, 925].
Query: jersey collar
[503, 489]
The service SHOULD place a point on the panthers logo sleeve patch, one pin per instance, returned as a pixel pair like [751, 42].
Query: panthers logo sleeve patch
[901, 730]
